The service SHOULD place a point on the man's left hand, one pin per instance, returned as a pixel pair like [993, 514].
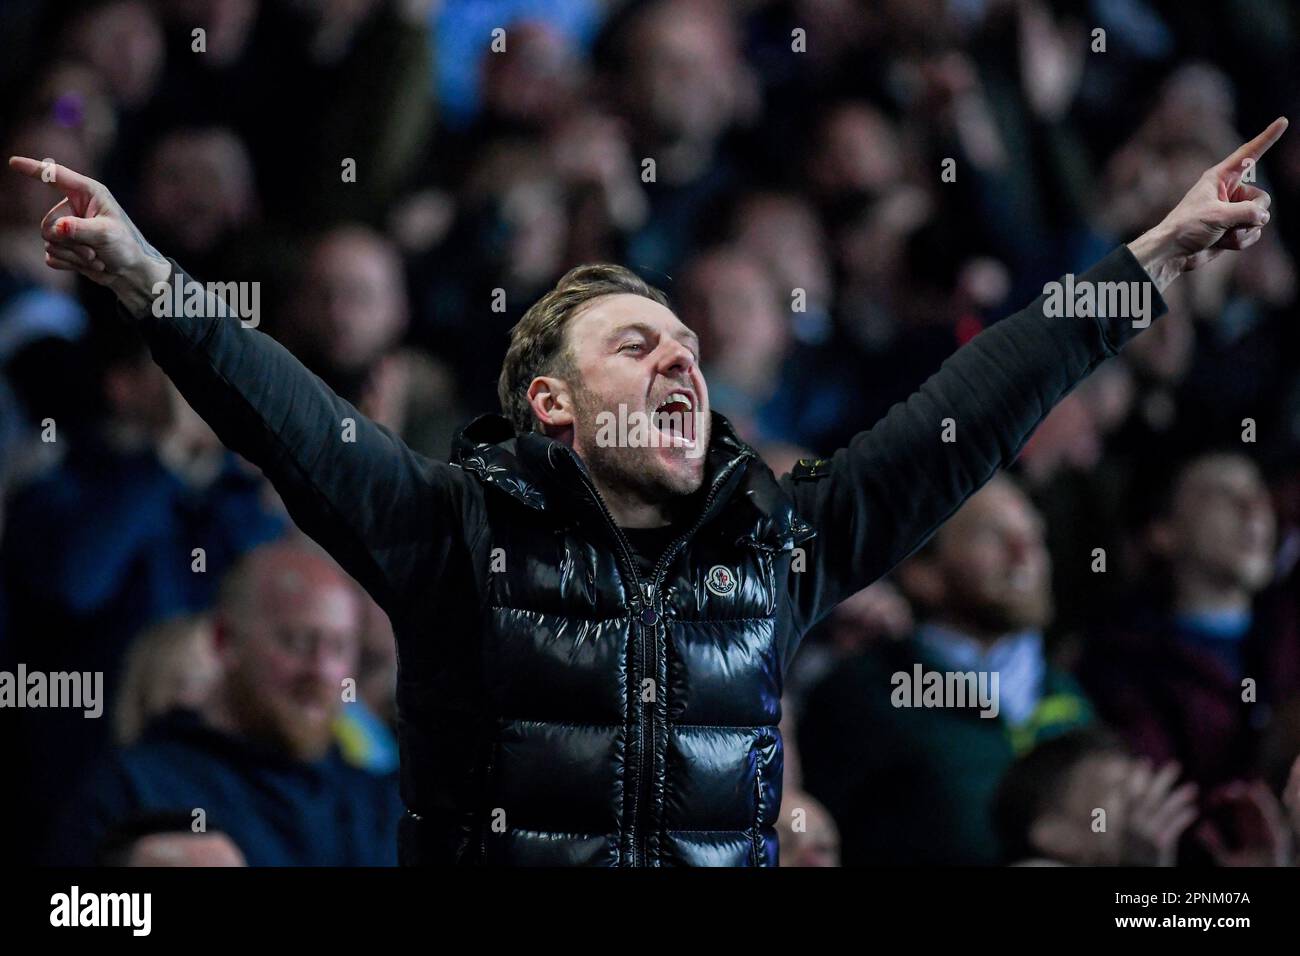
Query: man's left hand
[1219, 212]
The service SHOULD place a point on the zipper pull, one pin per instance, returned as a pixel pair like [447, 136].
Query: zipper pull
[649, 616]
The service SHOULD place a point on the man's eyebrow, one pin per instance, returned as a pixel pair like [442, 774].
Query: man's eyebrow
[650, 330]
[628, 327]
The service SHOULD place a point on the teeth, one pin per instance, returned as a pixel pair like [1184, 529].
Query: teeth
[679, 397]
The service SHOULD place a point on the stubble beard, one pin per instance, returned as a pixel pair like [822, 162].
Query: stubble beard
[1012, 615]
[279, 723]
[635, 472]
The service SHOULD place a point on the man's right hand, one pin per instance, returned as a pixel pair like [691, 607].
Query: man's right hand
[87, 232]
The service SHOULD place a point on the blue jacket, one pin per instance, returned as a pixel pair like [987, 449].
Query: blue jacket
[278, 811]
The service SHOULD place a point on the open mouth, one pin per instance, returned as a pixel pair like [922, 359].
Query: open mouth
[674, 418]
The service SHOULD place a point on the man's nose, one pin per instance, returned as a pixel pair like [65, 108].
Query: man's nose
[319, 659]
[676, 358]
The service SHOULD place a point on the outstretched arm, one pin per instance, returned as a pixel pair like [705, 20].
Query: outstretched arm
[386, 514]
[877, 500]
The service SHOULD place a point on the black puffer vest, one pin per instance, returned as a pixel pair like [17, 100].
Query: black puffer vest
[592, 716]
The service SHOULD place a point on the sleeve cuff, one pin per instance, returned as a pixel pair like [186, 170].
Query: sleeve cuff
[1117, 293]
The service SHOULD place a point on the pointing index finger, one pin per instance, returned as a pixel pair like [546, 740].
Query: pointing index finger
[1257, 147]
[63, 179]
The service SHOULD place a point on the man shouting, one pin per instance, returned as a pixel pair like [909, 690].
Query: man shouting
[594, 622]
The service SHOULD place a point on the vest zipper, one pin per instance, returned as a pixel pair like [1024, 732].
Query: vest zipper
[628, 567]
[649, 619]
[646, 733]
[651, 613]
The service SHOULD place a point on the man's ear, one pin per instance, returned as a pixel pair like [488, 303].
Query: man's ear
[552, 402]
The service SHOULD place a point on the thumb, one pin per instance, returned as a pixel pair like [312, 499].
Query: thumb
[94, 232]
[1248, 213]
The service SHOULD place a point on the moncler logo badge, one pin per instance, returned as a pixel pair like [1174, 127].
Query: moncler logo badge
[720, 580]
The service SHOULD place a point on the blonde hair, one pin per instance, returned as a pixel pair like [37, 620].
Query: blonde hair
[157, 656]
[537, 344]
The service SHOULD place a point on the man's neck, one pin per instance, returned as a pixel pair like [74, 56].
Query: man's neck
[970, 629]
[1196, 593]
[631, 510]
[628, 505]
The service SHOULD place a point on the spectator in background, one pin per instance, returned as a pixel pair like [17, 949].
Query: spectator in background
[197, 190]
[1081, 800]
[908, 784]
[730, 301]
[1172, 673]
[505, 247]
[223, 86]
[535, 81]
[137, 522]
[172, 665]
[346, 320]
[122, 41]
[349, 309]
[821, 373]
[855, 161]
[606, 200]
[77, 97]
[259, 759]
[864, 182]
[41, 318]
[782, 231]
[897, 317]
[104, 544]
[772, 393]
[1030, 59]
[533, 85]
[367, 726]
[683, 85]
[459, 28]
[808, 836]
[24, 205]
[167, 839]
[1081, 494]
[1158, 425]
[131, 62]
[878, 612]
[807, 832]
[314, 74]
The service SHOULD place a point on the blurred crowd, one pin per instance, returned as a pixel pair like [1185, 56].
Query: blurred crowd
[835, 194]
